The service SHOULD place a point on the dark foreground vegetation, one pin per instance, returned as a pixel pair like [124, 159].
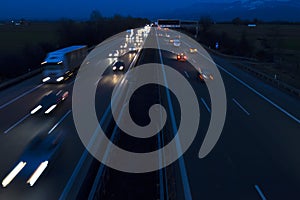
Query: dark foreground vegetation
[24, 46]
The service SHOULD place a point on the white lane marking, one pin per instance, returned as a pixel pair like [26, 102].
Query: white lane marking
[253, 90]
[240, 106]
[20, 96]
[187, 44]
[261, 194]
[187, 75]
[58, 123]
[58, 92]
[194, 61]
[206, 106]
[17, 123]
[262, 96]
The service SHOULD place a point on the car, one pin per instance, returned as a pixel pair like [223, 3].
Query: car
[132, 49]
[176, 43]
[171, 40]
[118, 65]
[193, 50]
[37, 156]
[124, 46]
[205, 75]
[114, 54]
[49, 102]
[181, 57]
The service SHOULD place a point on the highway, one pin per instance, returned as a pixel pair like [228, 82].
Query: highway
[256, 156]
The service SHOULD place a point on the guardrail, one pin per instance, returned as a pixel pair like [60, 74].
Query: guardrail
[272, 80]
[275, 82]
[229, 56]
[20, 78]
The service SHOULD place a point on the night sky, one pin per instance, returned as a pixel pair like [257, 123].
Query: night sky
[81, 9]
[151, 9]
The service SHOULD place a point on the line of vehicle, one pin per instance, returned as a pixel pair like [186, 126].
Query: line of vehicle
[84, 155]
[59, 122]
[102, 166]
[261, 194]
[20, 96]
[240, 106]
[205, 104]
[17, 123]
[184, 176]
[253, 90]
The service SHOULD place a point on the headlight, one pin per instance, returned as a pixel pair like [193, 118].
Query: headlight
[121, 67]
[13, 173]
[50, 109]
[114, 68]
[38, 172]
[60, 79]
[36, 109]
[46, 79]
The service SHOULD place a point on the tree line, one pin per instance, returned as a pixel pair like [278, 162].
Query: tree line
[69, 32]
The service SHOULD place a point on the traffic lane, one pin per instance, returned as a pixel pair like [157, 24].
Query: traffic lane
[25, 104]
[276, 172]
[105, 86]
[15, 142]
[16, 110]
[276, 133]
[35, 124]
[287, 102]
[218, 184]
[281, 100]
[127, 185]
[18, 89]
[56, 175]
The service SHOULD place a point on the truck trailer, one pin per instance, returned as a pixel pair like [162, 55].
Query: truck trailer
[60, 65]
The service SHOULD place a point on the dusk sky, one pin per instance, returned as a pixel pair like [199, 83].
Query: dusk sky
[81, 9]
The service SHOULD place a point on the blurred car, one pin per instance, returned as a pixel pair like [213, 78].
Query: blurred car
[181, 57]
[177, 43]
[171, 40]
[193, 50]
[36, 157]
[205, 75]
[123, 46]
[49, 102]
[132, 49]
[118, 65]
[115, 53]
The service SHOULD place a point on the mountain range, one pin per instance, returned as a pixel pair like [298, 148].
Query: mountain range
[266, 10]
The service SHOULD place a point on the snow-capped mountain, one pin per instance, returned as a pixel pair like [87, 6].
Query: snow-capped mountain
[268, 10]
